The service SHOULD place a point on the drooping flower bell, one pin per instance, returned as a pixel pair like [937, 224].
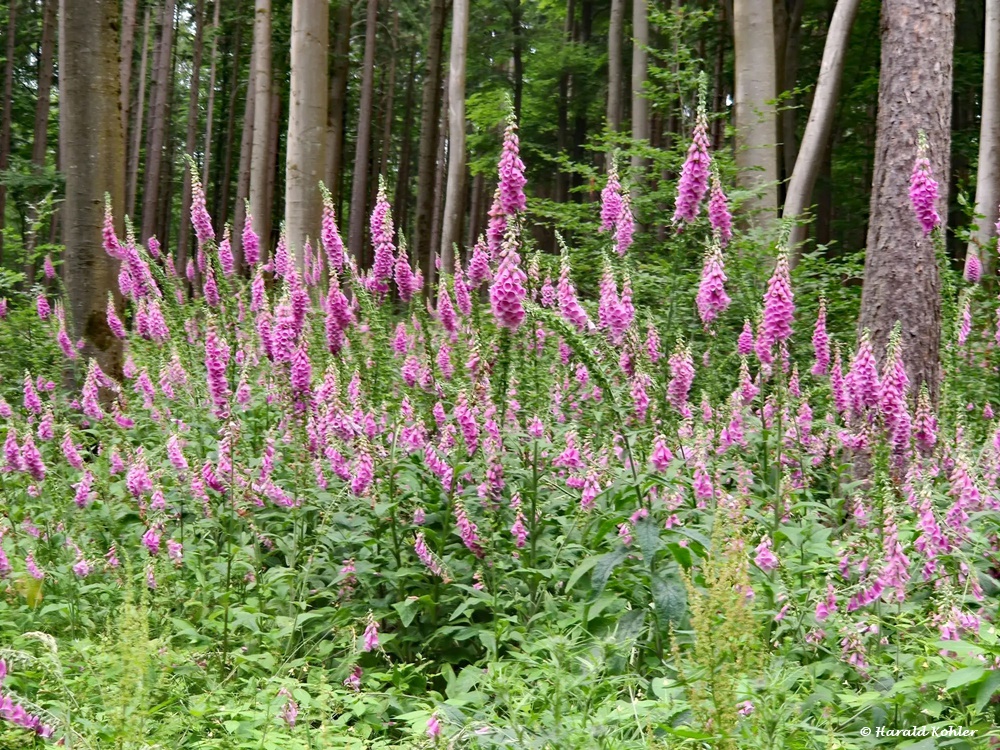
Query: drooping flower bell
[779, 307]
[712, 299]
[693, 183]
[924, 189]
[329, 234]
[511, 172]
[507, 292]
[719, 215]
[821, 342]
[382, 233]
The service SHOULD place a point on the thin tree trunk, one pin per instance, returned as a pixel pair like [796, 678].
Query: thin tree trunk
[8, 108]
[789, 75]
[305, 158]
[273, 129]
[815, 140]
[93, 160]
[227, 139]
[129, 19]
[616, 75]
[427, 155]
[518, 54]
[210, 108]
[184, 234]
[259, 167]
[338, 99]
[43, 104]
[718, 78]
[562, 128]
[756, 121]
[359, 185]
[137, 118]
[439, 173]
[159, 105]
[454, 201]
[401, 203]
[901, 280]
[164, 211]
[243, 176]
[640, 104]
[988, 174]
[475, 209]
[388, 116]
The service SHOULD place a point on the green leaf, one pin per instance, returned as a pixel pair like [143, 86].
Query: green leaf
[670, 598]
[603, 568]
[648, 534]
[488, 640]
[987, 688]
[630, 624]
[964, 676]
[407, 611]
[581, 570]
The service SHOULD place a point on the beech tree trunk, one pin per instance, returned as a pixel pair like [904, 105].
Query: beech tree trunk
[243, 174]
[440, 167]
[8, 108]
[754, 113]
[338, 100]
[228, 138]
[184, 234]
[137, 117]
[259, 167]
[901, 275]
[39, 148]
[988, 173]
[454, 200]
[359, 184]
[129, 19]
[158, 123]
[427, 154]
[305, 158]
[210, 108]
[93, 160]
[816, 138]
[640, 104]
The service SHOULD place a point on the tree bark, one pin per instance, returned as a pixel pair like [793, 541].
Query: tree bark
[273, 131]
[362, 149]
[816, 138]
[227, 139]
[39, 148]
[401, 204]
[93, 160]
[338, 99]
[129, 19]
[988, 173]
[454, 200]
[640, 104]
[158, 123]
[210, 108]
[243, 175]
[259, 167]
[440, 167]
[305, 158]
[616, 75]
[137, 117]
[388, 114]
[8, 107]
[562, 127]
[184, 234]
[901, 274]
[789, 72]
[427, 153]
[755, 118]
[517, 56]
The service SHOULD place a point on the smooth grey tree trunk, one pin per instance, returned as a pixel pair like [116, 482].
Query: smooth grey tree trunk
[132, 189]
[988, 173]
[259, 167]
[305, 153]
[184, 234]
[158, 108]
[454, 200]
[616, 74]
[640, 72]
[901, 280]
[362, 149]
[210, 108]
[338, 100]
[129, 19]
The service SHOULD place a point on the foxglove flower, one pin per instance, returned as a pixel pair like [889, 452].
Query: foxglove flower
[712, 298]
[371, 635]
[382, 234]
[216, 362]
[405, 281]
[200, 219]
[226, 260]
[821, 342]
[744, 344]
[251, 242]
[511, 173]
[893, 396]
[681, 366]
[765, 559]
[924, 190]
[329, 235]
[693, 183]
[973, 267]
[479, 265]
[779, 307]
[507, 292]
[718, 211]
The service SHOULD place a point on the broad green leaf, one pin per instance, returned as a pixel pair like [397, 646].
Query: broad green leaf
[964, 676]
[602, 570]
[670, 598]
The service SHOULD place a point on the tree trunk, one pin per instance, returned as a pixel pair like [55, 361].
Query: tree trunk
[616, 75]
[93, 160]
[184, 233]
[243, 176]
[158, 123]
[338, 99]
[756, 122]
[273, 130]
[562, 126]
[359, 183]
[640, 104]
[210, 109]
[988, 174]
[129, 19]
[517, 56]
[475, 209]
[427, 154]
[815, 140]
[8, 107]
[388, 115]
[789, 72]
[227, 139]
[454, 200]
[305, 158]
[39, 148]
[402, 200]
[901, 274]
[259, 167]
[164, 223]
[137, 117]
[440, 167]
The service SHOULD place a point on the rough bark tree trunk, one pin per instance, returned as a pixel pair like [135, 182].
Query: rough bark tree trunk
[184, 234]
[401, 203]
[210, 108]
[338, 100]
[427, 154]
[243, 174]
[227, 139]
[441, 166]
[454, 200]
[816, 138]
[640, 104]
[755, 118]
[39, 148]
[93, 160]
[158, 107]
[362, 149]
[988, 173]
[388, 113]
[129, 19]
[132, 190]
[304, 157]
[8, 107]
[901, 280]
[616, 74]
